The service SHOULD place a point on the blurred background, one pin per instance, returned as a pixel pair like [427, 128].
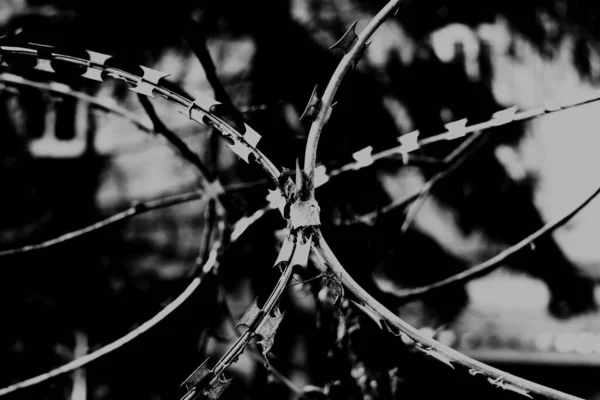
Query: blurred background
[66, 162]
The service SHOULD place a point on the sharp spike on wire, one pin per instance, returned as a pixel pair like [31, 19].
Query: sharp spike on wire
[508, 386]
[251, 138]
[363, 157]
[216, 389]
[347, 40]
[204, 102]
[456, 129]
[44, 58]
[286, 252]
[504, 116]
[312, 107]
[437, 355]
[267, 329]
[301, 253]
[241, 150]
[408, 143]
[44, 64]
[321, 176]
[146, 83]
[197, 376]
[250, 316]
[95, 64]
[276, 200]
[360, 54]
[371, 314]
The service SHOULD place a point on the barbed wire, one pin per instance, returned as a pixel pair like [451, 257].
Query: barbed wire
[303, 221]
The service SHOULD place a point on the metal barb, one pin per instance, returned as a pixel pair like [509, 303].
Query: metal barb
[267, 329]
[95, 64]
[370, 313]
[44, 64]
[360, 54]
[250, 138]
[240, 149]
[215, 391]
[409, 142]
[301, 253]
[205, 103]
[313, 105]
[504, 116]
[44, 58]
[363, 157]
[347, 40]
[197, 376]
[321, 176]
[437, 355]
[252, 313]
[146, 83]
[456, 129]
[508, 386]
[286, 252]
[276, 200]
